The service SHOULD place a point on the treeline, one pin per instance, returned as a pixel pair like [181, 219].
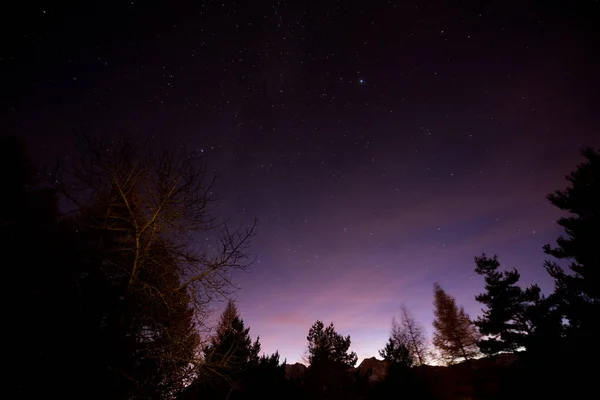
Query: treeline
[553, 339]
[115, 257]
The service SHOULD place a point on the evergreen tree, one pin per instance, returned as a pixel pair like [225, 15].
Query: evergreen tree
[231, 351]
[508, 320]
[578, 293]
[326, 346]
[267, 378]
[396, 353]
[232, 367]
[330, 362]
[576, 297]
[454, 336]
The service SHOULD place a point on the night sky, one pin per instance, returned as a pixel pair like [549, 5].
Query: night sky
[382, 144]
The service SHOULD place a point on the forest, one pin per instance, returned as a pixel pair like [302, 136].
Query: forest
[110, 296]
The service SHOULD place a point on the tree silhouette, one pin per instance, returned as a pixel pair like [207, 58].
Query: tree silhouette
[128, 186]
[330, 362]
[396, 352]
[454, 336]
[231, 366]
[405, 348]
[405, 342]
[576, 296]
[231, 350]
[326, 346]
[508, 321]
[145, 286]
[578, 292]
[267, 378]
[416, 341]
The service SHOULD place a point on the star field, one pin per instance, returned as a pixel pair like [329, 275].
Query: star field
[382, 145]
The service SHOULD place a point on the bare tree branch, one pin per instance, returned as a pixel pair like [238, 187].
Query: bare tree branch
[148, 211]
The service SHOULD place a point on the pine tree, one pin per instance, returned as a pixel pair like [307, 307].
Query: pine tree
[326, 346]
[231, 350]
[330, 361]
[508, 320]
[455, 336]
[231, 362]
[396, 353]
[578, 293]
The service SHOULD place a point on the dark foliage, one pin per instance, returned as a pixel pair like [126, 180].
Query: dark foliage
[267, 378]
[396, 353]
[508, 320]
[578, 293]
[558, 361]
[232, 367]
[576, 298]
[231, 353]
[326, 346]
[328, 374]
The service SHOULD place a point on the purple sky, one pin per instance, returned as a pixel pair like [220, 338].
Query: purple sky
[381, 145]
[355, 260]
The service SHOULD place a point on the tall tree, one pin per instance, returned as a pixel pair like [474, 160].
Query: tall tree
[416, 341]
[454, 336]
[330, 360]
[508, 320]
[147, 281]
[231, 363]
[578, 292]
[231, 350]
[326, 346]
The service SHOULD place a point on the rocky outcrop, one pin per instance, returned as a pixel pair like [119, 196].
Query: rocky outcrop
[374, 369]
[295, 371]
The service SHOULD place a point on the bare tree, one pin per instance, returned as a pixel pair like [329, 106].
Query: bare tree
[414, 334]
[455, 336]
[396, 349]
[163, 195]
[407, 340]
[152, 216]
